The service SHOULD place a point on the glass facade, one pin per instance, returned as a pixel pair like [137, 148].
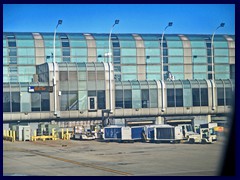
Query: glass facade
[23, 51]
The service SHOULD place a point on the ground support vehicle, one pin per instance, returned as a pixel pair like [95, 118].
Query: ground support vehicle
[187, 130]
[80, 133]
[204, 137]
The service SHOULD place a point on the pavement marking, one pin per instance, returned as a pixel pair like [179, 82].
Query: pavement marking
[76, 162]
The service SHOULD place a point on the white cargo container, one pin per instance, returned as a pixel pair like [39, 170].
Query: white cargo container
[149, 130]
[22, 133]
[168, 133]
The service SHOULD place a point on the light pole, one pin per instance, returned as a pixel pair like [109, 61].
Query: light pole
[54, 69]
[110, 61]
[169, 24]
[109, 40]
[221, 25]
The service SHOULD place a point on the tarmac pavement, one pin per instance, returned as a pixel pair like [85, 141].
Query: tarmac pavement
[93, 158]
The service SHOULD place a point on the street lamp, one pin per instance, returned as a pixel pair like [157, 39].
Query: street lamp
[54, 69]
[221, 25]
[109, 61]
[169, 24]
[109, 40]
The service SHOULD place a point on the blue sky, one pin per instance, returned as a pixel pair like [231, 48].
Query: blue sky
[135, 18]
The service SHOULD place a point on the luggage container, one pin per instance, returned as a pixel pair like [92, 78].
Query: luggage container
[149, 131]
[22, 133]
[117, 133]
[168, 133]
[137, 133]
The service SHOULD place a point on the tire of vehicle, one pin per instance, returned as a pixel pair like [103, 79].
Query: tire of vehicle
[191, 141]
[204, 141]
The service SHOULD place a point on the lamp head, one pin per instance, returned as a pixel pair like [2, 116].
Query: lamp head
[222, 24]
[59, 21]
[116, 21]
[170, 23]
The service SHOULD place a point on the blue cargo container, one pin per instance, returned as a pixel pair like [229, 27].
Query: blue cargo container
[137, 132]
[117, 133]
[112, 133]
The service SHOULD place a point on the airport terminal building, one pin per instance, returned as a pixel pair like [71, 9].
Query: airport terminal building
[88, 85]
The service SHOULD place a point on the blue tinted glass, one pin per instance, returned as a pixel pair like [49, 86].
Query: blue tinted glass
[169, 37]
[129, 69]
[75, 36]
[151, 37]
[128, 52]
[127, 44]
[49, 43]
[74, 43]
[199, 76]
[66, 59]
[5, 60]
[116, 60]
[222, 68]
[153, 69]
[48, 36]
[25, 43]
[4, 43]
[199, 52]
[26, 52]
[174, 44]
[11, 43]
[175, 52]
[102, 52]
[151, 59]
[26, 60]
[125, 37]
[101, 36]
[5, 70]
[175, 60]
[152, 52]
[79, 59]
[13, 69]
[12, 52]
[12, 60]
[222, 76]
[126, 77]
[128, 60]
[199, 59]
[221, 52]
[221, 60]
[151, 44]
[116, 52]
[153, 76]
[26, 70]
[49, 51]
[66, 52]
[200, 68]
[5, 51]
[65, 44]
[116, 44]
[23, 35]
[197, 44]
[25, 78]
[175, 68]
[102, 44]
[165, 68]
[220, 44]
